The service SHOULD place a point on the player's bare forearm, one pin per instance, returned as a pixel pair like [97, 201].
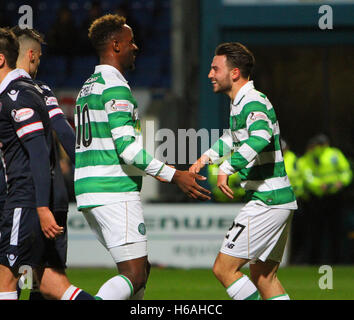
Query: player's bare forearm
[199, 164]
[223, 184]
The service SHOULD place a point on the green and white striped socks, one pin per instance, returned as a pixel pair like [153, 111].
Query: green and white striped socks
[243, 289]
[280, 297]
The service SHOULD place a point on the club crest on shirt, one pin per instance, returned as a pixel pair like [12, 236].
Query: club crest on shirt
[142, 229]
[22, 114]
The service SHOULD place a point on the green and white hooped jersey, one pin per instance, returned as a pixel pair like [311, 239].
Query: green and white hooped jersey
[110, 160]
[252, 147]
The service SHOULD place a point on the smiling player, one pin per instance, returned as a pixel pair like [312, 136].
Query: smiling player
[259, 232]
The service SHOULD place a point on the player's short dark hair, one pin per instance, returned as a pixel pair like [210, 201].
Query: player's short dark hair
[237, 56]
[9, 46]
[29, 34]
[103, 28]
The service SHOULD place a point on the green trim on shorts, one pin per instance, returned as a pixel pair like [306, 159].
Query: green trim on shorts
[281, 295]
[129, 283]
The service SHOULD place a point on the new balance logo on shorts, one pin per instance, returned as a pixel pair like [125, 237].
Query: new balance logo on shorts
[229, 245]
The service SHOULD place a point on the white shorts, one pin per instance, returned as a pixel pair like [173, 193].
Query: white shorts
[258, 233]
[120, 228]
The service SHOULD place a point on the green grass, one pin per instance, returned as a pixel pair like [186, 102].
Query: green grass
[301, 283]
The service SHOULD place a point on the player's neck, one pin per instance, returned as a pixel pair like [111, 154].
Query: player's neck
[3, 73]
[111, 62]
[236, 88]
[23, 65]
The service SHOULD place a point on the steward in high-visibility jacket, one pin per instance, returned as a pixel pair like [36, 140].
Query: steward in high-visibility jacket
[328, 170]
[234, 184]
[293, 172]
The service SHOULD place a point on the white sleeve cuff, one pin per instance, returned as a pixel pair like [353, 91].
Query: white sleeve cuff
[227, 168]
[167, 173]
[212, 155]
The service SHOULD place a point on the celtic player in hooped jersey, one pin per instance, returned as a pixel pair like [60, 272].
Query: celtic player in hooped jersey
[110, 160]
[250, 147]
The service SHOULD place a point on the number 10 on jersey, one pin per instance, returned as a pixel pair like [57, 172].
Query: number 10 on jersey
[83, 127]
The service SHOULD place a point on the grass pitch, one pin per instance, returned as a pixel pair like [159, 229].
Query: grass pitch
[300, 282]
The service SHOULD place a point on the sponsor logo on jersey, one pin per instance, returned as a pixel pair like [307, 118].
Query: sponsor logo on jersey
[13, 95]
[22, 114]
[86, 90]
[119, 106]
[51, 101]
[258, 116]
[90, 80]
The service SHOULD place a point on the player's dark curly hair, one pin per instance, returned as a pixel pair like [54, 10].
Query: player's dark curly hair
[9, 47]
[102, 29]
[28, 33]
[238, 56]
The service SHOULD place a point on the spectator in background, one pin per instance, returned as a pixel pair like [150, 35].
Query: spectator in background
[124, 10]
[62, 37]
[95, 11]
[326, 172]
[330, 168]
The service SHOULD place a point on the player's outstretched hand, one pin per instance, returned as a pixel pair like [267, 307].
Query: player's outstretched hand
[186, 182]
[199, 164]
[48, 224]
[223, 184]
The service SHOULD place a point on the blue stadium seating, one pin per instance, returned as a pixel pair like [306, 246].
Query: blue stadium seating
[152, 69]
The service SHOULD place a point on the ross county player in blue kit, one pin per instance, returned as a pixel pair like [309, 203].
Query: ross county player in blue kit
[32, 223]
[28, 59]
[3, 188]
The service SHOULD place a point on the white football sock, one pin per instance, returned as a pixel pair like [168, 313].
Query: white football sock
[116, 288]
[243, 289]
[280, 297]
[70, 293]
[139, 295]
[8, 295]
